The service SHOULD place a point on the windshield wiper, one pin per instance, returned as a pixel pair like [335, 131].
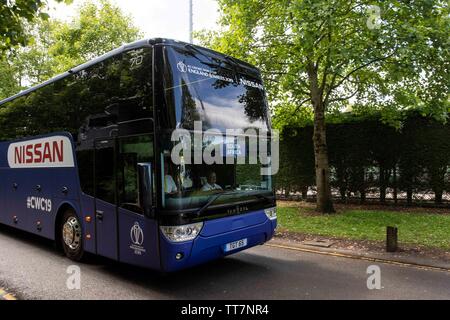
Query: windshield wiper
[193, 48]
[212, 200]
[231, 61]
[217, 196]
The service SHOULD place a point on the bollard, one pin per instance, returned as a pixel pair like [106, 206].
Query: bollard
[391, 239]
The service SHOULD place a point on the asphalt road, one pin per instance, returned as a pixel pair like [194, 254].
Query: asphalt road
[32, 269]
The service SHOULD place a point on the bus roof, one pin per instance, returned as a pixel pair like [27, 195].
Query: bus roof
[125, 47]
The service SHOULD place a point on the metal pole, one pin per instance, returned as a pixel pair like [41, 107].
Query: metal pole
[191, 23]
[391, 239]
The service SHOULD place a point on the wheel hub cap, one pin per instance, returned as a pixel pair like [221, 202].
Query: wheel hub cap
[72, 233]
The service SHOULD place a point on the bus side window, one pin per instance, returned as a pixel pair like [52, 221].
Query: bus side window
[85, 161]
[83, 103]
[105, 182]
[133, 150]
[136, 100]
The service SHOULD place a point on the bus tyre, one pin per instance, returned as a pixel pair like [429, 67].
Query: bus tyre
[72, 236]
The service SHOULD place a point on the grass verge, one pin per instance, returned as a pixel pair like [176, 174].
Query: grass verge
[424, 229]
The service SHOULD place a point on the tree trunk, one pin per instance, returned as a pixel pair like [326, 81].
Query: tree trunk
[287, 192]
[409, 195]
[438, 196]
[363, 195]
[341, 181]
[305, 193]
[394, 173]
[362, 186]
[324, 201]
[342, 191]
[382, 184]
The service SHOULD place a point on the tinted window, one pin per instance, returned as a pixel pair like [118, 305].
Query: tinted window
[29, 115]
[105, 182]
[14, 119]
[98, 90]
[90, 103]
[85, 160]
[133, 150]
[136, 105]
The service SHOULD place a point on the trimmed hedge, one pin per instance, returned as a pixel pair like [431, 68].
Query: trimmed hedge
[369, 157]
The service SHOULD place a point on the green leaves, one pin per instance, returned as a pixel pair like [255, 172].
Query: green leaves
[97, 29]
[395, 60]
[54, 46]
[44, 16]
[9, 83]
[13, 18]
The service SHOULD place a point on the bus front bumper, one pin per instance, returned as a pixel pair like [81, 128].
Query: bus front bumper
[210, 247]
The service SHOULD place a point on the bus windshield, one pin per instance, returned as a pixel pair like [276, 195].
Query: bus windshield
[204, 91]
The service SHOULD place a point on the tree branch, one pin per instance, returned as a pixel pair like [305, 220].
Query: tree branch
[345, 98]
[301, 103]
[327, 66]
[361, 67]
[329, 90]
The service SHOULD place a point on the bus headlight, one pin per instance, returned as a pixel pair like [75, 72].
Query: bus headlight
[182, 233]
[271, 213]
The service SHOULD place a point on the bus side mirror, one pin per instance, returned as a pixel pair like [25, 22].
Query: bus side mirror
[145, 188]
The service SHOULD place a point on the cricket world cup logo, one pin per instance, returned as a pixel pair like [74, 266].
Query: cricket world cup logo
[181, 66]
[137, 235]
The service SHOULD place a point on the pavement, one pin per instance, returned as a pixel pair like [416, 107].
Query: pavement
[30, 268]
[400, 258]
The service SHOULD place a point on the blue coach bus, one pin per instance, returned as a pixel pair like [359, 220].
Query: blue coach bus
[85, 158]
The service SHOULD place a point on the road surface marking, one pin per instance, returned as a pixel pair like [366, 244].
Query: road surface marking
[343, 255]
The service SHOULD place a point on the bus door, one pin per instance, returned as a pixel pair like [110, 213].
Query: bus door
[138, 228]
[105, 198]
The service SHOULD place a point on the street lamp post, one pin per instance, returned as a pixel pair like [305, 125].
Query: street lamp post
[190, 21]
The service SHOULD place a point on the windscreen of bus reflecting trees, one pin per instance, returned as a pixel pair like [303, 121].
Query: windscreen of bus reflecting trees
[211, 91]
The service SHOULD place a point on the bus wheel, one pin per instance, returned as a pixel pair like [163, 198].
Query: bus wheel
[72, 236]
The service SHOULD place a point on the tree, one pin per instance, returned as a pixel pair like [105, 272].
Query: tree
[59, 46]
[9, 83]
[333, 55]
[13, 18]
[95, 30]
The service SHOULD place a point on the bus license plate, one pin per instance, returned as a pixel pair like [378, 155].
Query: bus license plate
[235, 245]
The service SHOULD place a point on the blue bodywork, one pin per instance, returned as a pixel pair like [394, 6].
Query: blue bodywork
[17, 184]
[112, 236]
[215, 234]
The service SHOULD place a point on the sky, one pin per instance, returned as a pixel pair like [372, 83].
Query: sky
[156, 18]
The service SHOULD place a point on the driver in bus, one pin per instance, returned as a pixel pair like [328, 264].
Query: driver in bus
[211, 182]
[170, 187]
